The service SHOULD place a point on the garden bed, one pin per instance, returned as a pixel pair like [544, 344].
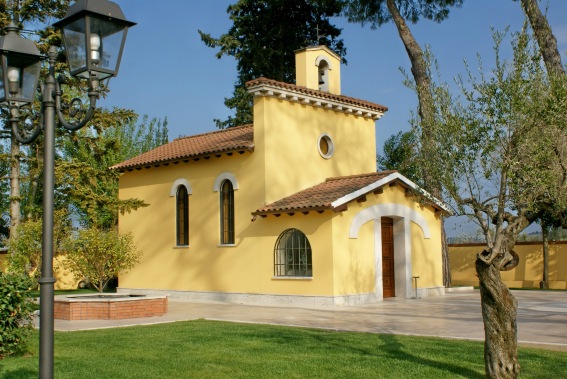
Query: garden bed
[108, 306]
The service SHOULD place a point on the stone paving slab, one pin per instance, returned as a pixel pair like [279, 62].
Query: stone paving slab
[542, 317]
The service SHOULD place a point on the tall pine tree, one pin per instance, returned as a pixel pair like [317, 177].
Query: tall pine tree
[263, 38]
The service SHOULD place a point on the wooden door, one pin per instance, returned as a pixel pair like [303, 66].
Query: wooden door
[388, 280]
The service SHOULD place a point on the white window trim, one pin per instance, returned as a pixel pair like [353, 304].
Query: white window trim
[330, 144]
[222, 177]
[180, 182]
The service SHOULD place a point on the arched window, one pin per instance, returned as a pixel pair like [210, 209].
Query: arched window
[292, 256]
[182, 202]
[227, 212]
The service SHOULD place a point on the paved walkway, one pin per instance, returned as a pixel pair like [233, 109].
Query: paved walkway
[542, 317]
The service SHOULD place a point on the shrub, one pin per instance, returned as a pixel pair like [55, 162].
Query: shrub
[25, 245]
[25, 249]
[99, 255]
[15, 313]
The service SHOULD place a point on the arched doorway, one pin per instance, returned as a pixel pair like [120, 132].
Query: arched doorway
[400, 217]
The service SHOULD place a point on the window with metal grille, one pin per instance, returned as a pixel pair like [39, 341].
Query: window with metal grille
[292, 256]
[227, 212]
[182, 216]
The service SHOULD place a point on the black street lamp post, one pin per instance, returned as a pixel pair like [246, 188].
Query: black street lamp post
[94, 33]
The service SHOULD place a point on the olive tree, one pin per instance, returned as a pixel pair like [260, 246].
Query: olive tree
[500, 155]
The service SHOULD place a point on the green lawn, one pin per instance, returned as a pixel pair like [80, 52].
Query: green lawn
[210, 349]
[68, 292]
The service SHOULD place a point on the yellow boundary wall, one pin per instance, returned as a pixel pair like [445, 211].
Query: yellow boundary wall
[529, 272]
[65, 280]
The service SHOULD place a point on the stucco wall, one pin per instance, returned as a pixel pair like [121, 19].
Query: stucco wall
[205, 265]
[529, 272]
[354, 258]
[286, 135]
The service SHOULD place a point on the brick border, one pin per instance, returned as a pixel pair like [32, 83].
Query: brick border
[112, 307]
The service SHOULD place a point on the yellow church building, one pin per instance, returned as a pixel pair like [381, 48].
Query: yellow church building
[287, 210]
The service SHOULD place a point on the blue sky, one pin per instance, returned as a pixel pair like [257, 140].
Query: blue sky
[167, 71]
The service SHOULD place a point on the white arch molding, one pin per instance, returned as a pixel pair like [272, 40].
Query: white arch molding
[388, 210]
[323, 58]
[402, 216]
[180, 182]
[222, 177]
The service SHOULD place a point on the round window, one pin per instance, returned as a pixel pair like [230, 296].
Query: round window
[325, 146]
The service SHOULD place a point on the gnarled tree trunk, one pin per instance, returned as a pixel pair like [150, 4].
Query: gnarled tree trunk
[499, 315]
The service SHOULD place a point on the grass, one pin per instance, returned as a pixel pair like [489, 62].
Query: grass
[65, 292]
[211, 349]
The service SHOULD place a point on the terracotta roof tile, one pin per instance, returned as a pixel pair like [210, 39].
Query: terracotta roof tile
[321, 94]
[320, 196]
[200, 145]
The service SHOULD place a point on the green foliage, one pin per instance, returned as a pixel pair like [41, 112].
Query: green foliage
[501, 149]
[399, 154]
[134, 137]
[100, 255]
[263, 38]
[376, 12]
[24, 249]
[16, 311]
[93, 193]
[85, 181]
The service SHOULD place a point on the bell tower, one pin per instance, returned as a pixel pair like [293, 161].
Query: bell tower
[318, 68]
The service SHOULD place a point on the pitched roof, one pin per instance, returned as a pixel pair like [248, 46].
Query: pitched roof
[335, 193]
[324, 99]
[229, 140]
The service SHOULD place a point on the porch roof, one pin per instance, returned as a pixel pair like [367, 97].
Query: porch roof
[335, 193]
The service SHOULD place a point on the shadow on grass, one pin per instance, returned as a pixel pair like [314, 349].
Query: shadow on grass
[21, 373]
[391, 355]
[398, 351]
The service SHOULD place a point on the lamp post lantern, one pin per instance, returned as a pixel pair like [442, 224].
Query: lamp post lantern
[94, 33]
[20, 64]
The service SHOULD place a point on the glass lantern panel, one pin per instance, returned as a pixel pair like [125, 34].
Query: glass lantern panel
[111, 38]
[26, 72]
[75, 45]
[110, 50]
[29, 82]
